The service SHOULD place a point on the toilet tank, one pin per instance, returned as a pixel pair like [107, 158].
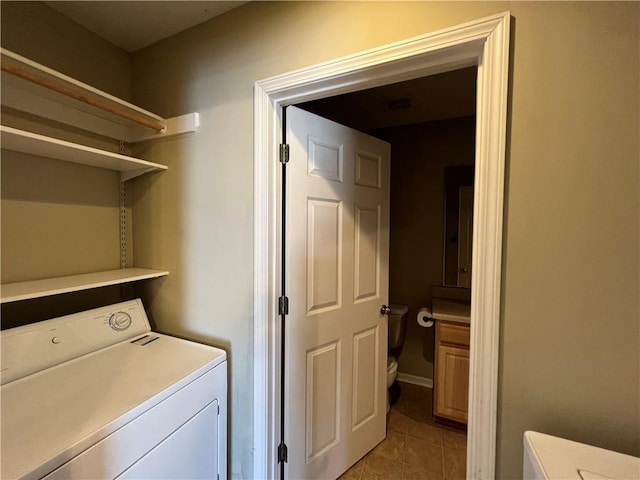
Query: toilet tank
[397, 327]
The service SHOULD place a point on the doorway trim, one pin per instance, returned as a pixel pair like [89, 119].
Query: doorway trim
[483, 43]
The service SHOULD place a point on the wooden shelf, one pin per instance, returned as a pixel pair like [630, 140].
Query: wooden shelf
[35, 144]
[34, 88]
[13, 292]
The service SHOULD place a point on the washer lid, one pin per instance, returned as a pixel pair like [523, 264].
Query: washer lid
[557, 458]
[53, 415]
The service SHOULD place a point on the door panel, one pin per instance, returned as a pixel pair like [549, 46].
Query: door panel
[337, 278]
[365, 380]
[323, 394]
[367, 253]
[324, 159]
[368, 170]
[324, 255]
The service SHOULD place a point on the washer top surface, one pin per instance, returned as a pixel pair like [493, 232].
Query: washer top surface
[52, 415]
[558, 458]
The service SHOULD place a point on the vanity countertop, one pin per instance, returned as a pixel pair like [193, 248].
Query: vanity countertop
[451, 310]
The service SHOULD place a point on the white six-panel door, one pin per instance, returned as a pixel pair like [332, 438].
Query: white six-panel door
[337, 279]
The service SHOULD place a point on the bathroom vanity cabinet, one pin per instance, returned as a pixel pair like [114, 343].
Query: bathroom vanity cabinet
[451, 385]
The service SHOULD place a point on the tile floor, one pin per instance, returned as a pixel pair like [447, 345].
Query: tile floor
[416, 448]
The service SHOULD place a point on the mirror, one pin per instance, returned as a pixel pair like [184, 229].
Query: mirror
[458, 226]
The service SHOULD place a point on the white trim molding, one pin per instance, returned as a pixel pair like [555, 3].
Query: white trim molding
[415, 380]
[484, 43]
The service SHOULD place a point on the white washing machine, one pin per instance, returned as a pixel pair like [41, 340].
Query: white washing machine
[549, 457]
[98, 395]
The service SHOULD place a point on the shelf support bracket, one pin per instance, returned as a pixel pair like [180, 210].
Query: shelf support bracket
[188, 123]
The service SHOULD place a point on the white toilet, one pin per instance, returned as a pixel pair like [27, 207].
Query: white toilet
[392, 370]
[397, 329]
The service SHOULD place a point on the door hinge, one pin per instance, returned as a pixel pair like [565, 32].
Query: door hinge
[284, 153]
[218, 409]
[282, 453]
[283, 305]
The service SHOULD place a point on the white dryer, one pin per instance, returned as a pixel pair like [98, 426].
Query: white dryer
[552, 458]
[98, 395]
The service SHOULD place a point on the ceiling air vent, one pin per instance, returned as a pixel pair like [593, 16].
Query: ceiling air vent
[399, 104]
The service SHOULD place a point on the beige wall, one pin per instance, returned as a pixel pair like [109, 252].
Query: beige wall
[419, 155]
[569, 360]
[58, 218]
[38, 32]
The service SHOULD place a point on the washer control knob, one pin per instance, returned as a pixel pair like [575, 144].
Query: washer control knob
[120, 321]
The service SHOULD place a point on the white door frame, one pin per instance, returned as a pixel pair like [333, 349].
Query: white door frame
[483, 42]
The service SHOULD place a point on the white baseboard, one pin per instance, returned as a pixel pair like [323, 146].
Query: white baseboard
[415, 380]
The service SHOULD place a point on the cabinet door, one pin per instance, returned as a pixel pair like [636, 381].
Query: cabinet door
[452, 389]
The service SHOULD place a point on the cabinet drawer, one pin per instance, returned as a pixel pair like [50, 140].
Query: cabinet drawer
[453, 333]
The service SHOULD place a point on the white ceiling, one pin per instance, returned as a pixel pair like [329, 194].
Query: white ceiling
[135, 25]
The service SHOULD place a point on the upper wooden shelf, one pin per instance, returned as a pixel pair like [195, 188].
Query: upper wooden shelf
[34, 88]
[35, 144]
[13, 292]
